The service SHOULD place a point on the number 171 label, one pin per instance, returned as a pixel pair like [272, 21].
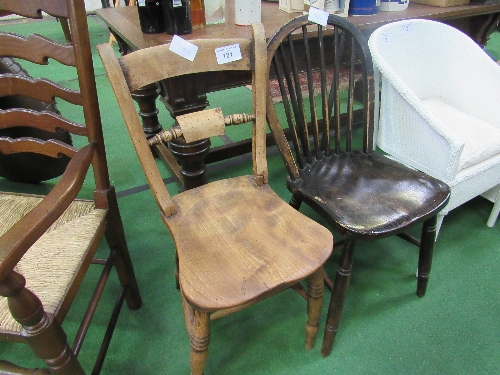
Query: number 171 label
[228, 54]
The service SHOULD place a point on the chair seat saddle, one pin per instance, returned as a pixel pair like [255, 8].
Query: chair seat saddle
[240, 266]
[67, 240]
[378, 201]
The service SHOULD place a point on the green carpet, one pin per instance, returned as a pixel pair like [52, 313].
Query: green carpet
[385, 328]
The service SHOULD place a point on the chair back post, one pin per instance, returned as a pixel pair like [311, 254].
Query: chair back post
[259, 83]
[86, 78]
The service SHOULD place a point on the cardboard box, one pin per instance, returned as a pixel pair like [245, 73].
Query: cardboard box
[291, 6]
[441, 3]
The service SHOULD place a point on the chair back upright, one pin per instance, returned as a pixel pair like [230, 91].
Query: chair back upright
[323, 77]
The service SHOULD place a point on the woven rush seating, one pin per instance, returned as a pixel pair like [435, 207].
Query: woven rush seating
[49, 276]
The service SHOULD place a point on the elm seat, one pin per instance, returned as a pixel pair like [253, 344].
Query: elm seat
[236, 241]
[439, 109]
[246, 274]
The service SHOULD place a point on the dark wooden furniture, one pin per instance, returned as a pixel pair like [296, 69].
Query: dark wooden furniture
[48, 242]
[189, 93]
[237, 242]
[26, 167]
[362, 194]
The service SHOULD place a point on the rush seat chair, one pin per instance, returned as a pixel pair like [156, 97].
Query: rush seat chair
[48, 242]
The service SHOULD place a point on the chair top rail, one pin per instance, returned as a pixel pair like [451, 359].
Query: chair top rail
[139, 74]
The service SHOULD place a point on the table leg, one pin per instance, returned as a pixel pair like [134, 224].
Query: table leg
[191, 157]
[146, 98]
[182, 95]
[479, 28]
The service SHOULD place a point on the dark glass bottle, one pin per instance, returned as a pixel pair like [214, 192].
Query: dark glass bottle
[177, 16]
[151, 16]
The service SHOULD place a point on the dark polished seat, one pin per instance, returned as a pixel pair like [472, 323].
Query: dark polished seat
[327, 93]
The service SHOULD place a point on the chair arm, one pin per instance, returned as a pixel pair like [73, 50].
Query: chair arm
[412, 134]
[22, 235]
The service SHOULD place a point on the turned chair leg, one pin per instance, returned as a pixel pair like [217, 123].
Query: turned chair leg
[200, 338]
[340, 286]
[427, 243]
[315, 289]
[40, 330]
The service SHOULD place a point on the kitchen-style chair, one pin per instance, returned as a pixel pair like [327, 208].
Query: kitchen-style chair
[324, 81]
[236, 241]
[48, 242]
[439, 107]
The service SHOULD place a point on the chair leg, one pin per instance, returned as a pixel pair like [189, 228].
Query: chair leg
[200, 338]
[340, 286]
[315, 287]
[176, 272]
[427, 244]
[440, 218]
[295, 202]
[494, 213]
[40, 331]
[115, 235]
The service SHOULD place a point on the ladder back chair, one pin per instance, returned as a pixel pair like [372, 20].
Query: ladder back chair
[326, 87]
[237, 242]
[47, 243]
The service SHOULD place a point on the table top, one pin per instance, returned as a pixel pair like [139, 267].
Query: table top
[125, 21]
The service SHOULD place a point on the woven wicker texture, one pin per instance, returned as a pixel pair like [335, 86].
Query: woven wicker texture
[422, 60]
[51, 263]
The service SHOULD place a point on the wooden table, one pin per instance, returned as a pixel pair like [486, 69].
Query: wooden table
[189, 93]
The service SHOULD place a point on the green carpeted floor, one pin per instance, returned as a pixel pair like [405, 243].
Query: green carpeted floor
[385, 328]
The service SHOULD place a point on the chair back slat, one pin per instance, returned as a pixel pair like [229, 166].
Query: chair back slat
[288, 102]
[48, 121]
[350, 96]
[312, 101]
[34, 8]
[298, 105]
[37, 88]
[52, 148]
[36, 48]
[326, 109]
